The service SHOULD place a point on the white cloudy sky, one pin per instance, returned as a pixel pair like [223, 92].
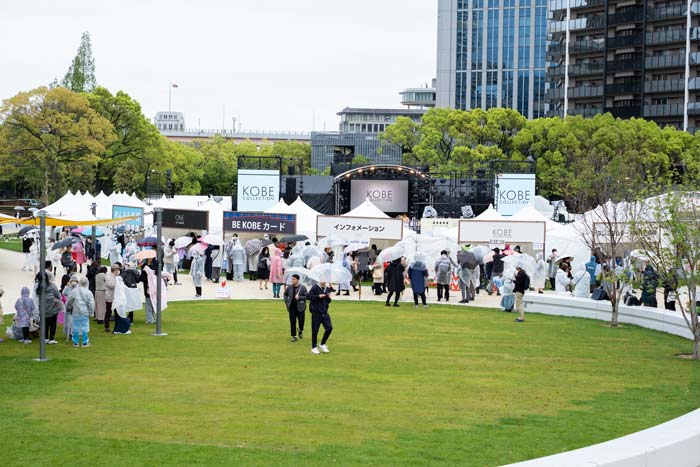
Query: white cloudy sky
[274, 63]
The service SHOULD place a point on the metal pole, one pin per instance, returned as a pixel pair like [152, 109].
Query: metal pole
[94, 236]
[42, 272]
[159, 277]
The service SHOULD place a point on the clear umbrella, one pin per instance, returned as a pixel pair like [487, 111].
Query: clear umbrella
[330, 273]
[480, 252]
[391, 253]
[524, 261]
[252, 247]
[302, 272]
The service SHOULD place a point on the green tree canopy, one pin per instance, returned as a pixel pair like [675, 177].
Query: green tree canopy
[80, 76]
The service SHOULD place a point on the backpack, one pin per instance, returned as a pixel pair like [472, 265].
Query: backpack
[527, 282]
[443, 267]
[130, 278]
[262, 264]
[599, 294]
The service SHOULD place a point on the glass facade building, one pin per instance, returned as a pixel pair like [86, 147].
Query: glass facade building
[491, 53]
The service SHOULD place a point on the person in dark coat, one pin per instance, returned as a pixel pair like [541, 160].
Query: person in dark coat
[418, 274]
[208, 261]
[395, 281]
[496, 269]
[650, 281]
[319, 298]
[295, 299]
[522, 283]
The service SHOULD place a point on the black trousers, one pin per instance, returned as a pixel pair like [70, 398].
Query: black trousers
[316, 321]
[378, 288]
[51, 327]
[552, 282]
[443, 288]
[25, 333]
[294, 316]
[416, 295]
[396, 298]
[108, 315]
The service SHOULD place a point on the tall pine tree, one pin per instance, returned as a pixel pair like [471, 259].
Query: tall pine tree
[81, 74]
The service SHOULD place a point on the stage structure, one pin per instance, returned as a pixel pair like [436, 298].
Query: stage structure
[401, 189]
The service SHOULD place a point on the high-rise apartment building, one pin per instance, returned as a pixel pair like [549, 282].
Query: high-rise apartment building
[632, 58]
[491, 53]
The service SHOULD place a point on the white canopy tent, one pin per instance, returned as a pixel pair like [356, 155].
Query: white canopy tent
[306, 217]
[367, 209]
[280, 208]
[490, 215]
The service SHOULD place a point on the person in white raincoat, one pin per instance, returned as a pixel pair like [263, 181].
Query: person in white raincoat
[115, 252]
[238, 260]
[197, 271]
[562, 281]
[581, 282]
[130, 251]
[540, 276]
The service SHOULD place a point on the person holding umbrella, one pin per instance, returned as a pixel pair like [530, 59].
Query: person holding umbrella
[522, 283]
[67, 259]
[319, 299]
[295, 299]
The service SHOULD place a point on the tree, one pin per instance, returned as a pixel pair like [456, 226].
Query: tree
[134, 135]
[607, 231]
[670, 237]
[53, 135]
[359, 159]
[81, 73]
[219, 166]
[404, 134]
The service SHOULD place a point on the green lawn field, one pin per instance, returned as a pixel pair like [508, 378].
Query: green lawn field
[12, 244]
[447, 386]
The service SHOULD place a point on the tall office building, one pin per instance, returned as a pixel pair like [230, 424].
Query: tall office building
[491, 53]
[632, 58]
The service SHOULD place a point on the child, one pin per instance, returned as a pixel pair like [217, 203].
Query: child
[24, 306]
[81, 304]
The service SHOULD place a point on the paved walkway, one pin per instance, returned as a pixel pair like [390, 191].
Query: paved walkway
[12, 279]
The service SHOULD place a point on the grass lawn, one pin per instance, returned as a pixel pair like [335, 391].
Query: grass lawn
[452, 385]
[13, 244]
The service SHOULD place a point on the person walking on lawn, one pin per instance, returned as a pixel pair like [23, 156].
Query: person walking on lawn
[319, 299]
[295, 299]
[522, 283]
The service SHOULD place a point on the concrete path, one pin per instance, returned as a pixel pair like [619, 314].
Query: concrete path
[12, 279]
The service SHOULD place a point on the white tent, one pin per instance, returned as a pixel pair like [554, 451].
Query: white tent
[529, 213]
[306, 217]
[280, 208]
[490, 215]
[568, 242]
[367, 209]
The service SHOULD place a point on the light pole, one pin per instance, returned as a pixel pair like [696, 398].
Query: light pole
[42, 293]
[93, 237]
[159, 276]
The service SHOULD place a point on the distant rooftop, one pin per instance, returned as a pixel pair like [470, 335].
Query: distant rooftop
[356, 110]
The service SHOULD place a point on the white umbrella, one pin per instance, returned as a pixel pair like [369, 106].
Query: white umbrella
[391, 253]
[524, 261]
[332, 241]
[212, 240]
[330, 273]
[480, 251]
[182, 242]
[355, 245]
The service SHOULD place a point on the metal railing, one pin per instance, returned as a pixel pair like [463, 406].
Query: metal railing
[664, 85]
[665, 37]
[663, 110]
[587, 112]
[665, 61]
[252, 134]
[675, 11]
[623, 65]
[625, 17]
[625, 41]
[624, 88]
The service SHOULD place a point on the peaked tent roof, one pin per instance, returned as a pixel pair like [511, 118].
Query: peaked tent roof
[280, 208]
[490, 215]
[367, 209]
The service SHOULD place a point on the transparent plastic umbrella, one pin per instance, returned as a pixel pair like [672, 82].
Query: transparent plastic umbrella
[212, 240]
[302, 272]
[480, 252]
[525, 261]
[182, 242]
[330, 273]
[391, 253]
[252, 247]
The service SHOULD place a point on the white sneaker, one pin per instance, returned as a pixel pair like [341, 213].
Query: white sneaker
[315, 351]
[324, 348]
[52, 342]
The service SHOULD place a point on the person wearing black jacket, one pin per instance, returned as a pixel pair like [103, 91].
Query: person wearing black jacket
[496, 269]
[295, 299]
[395, 279]
[522, 283]
[319, 299]
[150, 313]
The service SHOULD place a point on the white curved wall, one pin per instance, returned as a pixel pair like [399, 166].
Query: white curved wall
[674, 443]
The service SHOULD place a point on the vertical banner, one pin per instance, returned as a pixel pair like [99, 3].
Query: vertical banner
[258, 190]
[514, 192]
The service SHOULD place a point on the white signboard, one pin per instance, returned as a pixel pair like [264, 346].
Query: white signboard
[501, 232]
[359, 228]
[258, 190]
[437, 225]
[387, 195]
[514, 192]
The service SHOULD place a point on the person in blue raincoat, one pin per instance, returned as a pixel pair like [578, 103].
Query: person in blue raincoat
[593, 269]
[418, 275]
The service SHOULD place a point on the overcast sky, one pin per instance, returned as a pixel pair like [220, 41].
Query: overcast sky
[274, 63]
